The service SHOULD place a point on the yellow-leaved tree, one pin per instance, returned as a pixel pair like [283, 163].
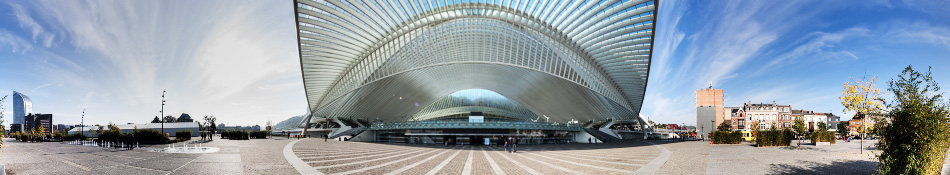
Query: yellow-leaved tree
[862, 97]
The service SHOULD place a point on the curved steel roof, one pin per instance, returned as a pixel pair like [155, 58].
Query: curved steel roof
[563, 59]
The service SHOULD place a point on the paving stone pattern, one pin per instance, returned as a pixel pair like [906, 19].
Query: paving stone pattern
[334, 157]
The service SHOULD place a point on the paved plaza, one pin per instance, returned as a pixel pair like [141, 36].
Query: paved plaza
[314, 156]
[376, 158]
[235, 157]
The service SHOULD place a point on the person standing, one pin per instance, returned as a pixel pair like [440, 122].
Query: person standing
[588, 139]
[514, 145]
[507, 145]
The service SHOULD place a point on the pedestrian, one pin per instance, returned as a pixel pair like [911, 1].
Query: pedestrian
[507, 146]
[514, 143]
[588, 139]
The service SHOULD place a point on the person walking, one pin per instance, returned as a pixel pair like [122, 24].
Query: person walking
[588, 139]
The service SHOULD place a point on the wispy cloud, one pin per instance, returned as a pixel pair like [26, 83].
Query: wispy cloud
[922, 32]
[816, 47]
[27, 22]
[14, 43]
[207, 54]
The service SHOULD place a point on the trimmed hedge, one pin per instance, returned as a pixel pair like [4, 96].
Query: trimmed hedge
[76, 136]
[183, 135]
[822, 136]
[150, 136]
[773, 138]
[235, 135]
[259, 135]
[727, 137]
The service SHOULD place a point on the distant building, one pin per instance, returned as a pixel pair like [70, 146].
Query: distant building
[833, 121]
[709, 109]
[184, 118]
[36, 120]
[62, 127]
[738, 119]
[768, 115]
[16, 128]
[22, 106]
[860, 121]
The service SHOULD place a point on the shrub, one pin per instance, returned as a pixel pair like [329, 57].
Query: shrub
[150, 136]
[76, 136]
[183, 135]
[727, 137]
[916, 140]
[773, 137]
[259, 134]
[235, 135]
[822, 136]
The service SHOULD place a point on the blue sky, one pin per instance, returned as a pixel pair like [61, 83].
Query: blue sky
[798, 53]
[237, 60]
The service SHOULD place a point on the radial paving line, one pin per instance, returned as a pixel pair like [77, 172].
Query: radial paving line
[302, 168]
[360, 157]
[183, 165]
[654, 165]
[549, 164]
[577, 156]
[601, 161]
[526, 168]
[384, 164]
[610, 157]
[339, 154]
[84, 168]
[417, 163]
[467, 170]
[367, 161]
[586, 165]
[343, 151]
[444, 162]
[494, 166]
[142, 168]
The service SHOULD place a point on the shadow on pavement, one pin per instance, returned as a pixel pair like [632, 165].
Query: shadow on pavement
[836, 167]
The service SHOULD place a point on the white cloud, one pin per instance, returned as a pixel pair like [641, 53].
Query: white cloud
[28, 23]
[819, 46]
[921, 32]
[14, 43]
[207, 54]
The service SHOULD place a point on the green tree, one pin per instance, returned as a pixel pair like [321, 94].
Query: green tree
[209, 122]
[843, 129]
[724, 126]
[799, 129]
[917, 139]
[3, 128]
[170, 119]
[156, 120]
[100, 130]
[269, 127]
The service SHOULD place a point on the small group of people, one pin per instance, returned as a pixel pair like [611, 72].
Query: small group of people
[511, 145]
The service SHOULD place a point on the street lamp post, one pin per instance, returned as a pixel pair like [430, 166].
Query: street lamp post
[712, 127]
[163, 112]
[81, 121]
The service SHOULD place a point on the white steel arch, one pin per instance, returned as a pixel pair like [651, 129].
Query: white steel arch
[601, 46]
